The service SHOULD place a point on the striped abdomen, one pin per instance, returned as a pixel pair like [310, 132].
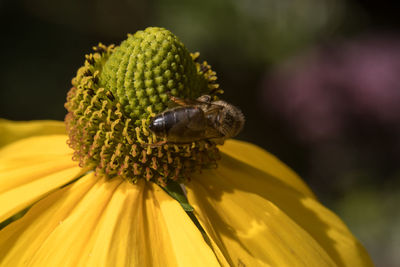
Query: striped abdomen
[180, 124]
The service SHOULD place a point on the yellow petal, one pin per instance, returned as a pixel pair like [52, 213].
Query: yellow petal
[99, 222]
[266, 162]
[31, 168]
[11, 131]
[256, 219]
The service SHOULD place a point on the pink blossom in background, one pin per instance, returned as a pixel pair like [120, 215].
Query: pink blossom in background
[323, 93]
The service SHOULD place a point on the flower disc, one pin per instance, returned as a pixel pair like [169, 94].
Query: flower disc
[118, 91]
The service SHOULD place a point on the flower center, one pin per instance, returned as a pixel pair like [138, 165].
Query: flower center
[115, 95]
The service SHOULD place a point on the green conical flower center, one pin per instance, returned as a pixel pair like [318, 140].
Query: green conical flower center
[145, 67]
[115, 94]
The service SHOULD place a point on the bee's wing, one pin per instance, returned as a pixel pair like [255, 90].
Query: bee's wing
[211, 112]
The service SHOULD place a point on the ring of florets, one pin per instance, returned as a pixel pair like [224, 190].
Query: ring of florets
[105, 138]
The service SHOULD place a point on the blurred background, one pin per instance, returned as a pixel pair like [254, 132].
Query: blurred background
[318, 80]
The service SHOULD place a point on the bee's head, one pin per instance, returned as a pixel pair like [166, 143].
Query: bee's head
[231, 119]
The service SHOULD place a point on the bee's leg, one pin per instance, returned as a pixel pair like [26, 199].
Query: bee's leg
[218, 140]
[158, 144]
[182, 101]
[204, 99]
[179, 101]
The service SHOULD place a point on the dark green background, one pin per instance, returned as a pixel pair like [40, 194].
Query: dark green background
[43, 43]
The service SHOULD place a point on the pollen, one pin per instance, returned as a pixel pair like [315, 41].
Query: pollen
[116, 93]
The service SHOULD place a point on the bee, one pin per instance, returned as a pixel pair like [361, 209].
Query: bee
[195, 120]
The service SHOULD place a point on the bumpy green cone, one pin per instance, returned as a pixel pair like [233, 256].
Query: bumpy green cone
[146, 66]
[115, 94]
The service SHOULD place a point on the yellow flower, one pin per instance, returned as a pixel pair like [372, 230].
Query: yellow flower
[114, 207]
[254, 210]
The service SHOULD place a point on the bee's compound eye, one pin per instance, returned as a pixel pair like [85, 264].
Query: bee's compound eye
[229, 120]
